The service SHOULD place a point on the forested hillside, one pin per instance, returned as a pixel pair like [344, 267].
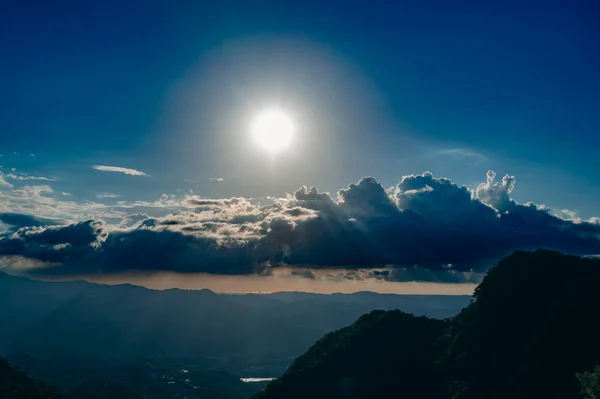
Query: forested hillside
[531, 328]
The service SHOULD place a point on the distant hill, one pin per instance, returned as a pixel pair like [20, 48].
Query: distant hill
[380, 354]
[15, 384]
[532, 327]
[231, 332]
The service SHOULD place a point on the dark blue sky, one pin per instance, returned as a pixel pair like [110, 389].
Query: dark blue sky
[376, 88]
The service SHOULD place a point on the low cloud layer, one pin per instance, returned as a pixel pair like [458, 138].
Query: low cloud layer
[423, 229]
[118, 169]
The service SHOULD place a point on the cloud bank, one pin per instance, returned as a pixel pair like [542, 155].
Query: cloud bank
[424, 229]
[118, 169]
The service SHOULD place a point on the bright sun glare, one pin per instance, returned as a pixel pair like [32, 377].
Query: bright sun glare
[273, 130]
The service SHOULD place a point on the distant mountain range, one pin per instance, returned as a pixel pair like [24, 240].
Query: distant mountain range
[532, 327]
[249, 335]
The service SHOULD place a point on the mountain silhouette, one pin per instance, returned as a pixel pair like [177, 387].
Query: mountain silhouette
[531, 327]
[382, 352]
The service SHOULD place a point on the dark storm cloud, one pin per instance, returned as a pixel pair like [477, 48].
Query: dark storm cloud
[312, 199]
[424, 274]
[63, 244]
[18, 220]
[366, 200]
[425, 228]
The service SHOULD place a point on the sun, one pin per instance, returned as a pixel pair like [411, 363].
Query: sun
[273, 130]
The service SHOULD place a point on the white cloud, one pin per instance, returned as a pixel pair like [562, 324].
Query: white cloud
[39, 201]
[4, 183]
[27, 177]
[217, 179]
[118, 169]
[461, 152]
[165, 202]
[65, 194]
[107, 195]
[564, 214]
[18, 264]
[496, 194]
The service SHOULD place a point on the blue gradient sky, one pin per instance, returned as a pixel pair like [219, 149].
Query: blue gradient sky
[376, 88]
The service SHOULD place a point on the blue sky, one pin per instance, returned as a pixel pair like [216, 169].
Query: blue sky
[106, 83]
[382, 89]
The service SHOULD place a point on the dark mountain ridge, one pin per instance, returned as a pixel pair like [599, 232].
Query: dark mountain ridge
[230, 332]
[531, 327]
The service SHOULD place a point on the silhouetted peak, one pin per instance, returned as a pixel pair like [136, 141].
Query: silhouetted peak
[538, 271]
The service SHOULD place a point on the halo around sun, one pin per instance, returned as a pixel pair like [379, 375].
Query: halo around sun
[273, 130]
